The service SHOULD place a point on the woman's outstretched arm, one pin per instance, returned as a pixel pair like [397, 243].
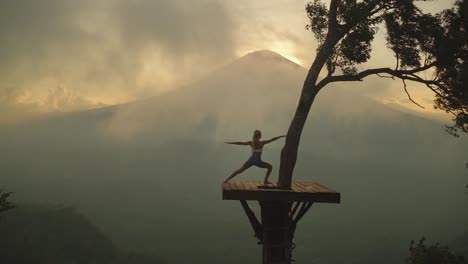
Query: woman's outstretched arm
[272, 139]
[238, 142]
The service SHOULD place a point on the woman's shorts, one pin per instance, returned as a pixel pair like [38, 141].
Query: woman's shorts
[255, 161]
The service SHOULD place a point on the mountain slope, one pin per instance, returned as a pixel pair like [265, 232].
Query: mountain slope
[258, 91]
[158, 163]
[58, 235]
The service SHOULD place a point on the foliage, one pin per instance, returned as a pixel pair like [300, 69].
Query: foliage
[421, 253]
[355, 47]
[58, 235]
[434, 44]
[4, 203]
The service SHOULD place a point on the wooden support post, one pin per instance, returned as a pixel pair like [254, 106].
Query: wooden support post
[281, 210]
[277, 242]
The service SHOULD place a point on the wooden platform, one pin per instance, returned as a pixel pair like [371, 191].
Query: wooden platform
[300, 192]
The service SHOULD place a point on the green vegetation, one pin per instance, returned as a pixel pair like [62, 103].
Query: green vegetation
[421, 253]
[4, 203]
[429, 49]
[58, 235]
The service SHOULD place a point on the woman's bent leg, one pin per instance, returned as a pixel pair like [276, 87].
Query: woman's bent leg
[269, 169]
[235, 173]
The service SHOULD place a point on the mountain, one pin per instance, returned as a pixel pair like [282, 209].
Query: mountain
[259, 90]
[149, 172]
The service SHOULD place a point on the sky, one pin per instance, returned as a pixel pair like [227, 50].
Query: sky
[64, 55]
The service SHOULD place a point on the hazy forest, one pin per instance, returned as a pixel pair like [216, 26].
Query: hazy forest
[114, 116]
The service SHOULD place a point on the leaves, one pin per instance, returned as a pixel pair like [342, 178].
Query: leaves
[452, 70]
[416, 38]
[420, 253]
[355, 47]
[318, 15]
[4, 203]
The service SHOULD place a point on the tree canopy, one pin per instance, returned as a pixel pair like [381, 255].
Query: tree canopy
[422, 42]
[430, 49]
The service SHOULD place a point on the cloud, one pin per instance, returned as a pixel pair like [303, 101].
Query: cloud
[179, 28]
[21, 105]
[109, 51]
[110, 48]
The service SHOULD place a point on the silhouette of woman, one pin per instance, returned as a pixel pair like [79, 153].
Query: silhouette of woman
[256, 159]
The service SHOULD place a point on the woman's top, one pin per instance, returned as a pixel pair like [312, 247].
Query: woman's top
[257, 152]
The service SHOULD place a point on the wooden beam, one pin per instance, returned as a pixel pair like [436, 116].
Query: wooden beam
[257, 227]
[305, 192]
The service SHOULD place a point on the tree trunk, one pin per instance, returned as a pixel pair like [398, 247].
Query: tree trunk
[291, 146]
[277, 243]
[309, 92]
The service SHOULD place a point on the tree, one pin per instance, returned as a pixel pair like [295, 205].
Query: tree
[430, 49]
[433, 254]
[466, 165]
[4, 203]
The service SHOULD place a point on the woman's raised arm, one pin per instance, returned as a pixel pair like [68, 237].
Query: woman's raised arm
[272, 139]
[238, 142]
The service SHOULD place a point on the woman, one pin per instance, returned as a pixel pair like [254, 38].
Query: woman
[256, 159]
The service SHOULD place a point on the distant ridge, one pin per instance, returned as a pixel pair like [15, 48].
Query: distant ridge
[266, 55]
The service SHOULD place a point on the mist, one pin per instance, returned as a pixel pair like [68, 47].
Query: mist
[114, 114]
[149, 173]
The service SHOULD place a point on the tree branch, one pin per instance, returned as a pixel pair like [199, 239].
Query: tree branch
[397, 60]
[332, 14]
[409, 96]
[410, 75]
[382, 76]
[428, 83]
[359, 76]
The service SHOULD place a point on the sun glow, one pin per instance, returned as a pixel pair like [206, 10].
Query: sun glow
[283, 48]
[286, 50]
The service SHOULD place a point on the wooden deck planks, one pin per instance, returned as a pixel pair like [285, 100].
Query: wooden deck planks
[298, 187]
[239, 185]
[246, 186]
[300, 191]
[251, 186]
[324, 188]
[311, 187]
[227, 186]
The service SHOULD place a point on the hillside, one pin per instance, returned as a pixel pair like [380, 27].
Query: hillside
[46, 235]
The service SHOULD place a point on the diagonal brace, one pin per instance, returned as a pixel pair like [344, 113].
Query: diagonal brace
[293, 210]
[256, 225]
[305, 206]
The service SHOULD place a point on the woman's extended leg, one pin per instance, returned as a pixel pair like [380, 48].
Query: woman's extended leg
[243, 168]
[269, 168]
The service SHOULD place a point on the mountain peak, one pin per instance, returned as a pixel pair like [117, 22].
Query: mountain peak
[267, 55]
[264, 53]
